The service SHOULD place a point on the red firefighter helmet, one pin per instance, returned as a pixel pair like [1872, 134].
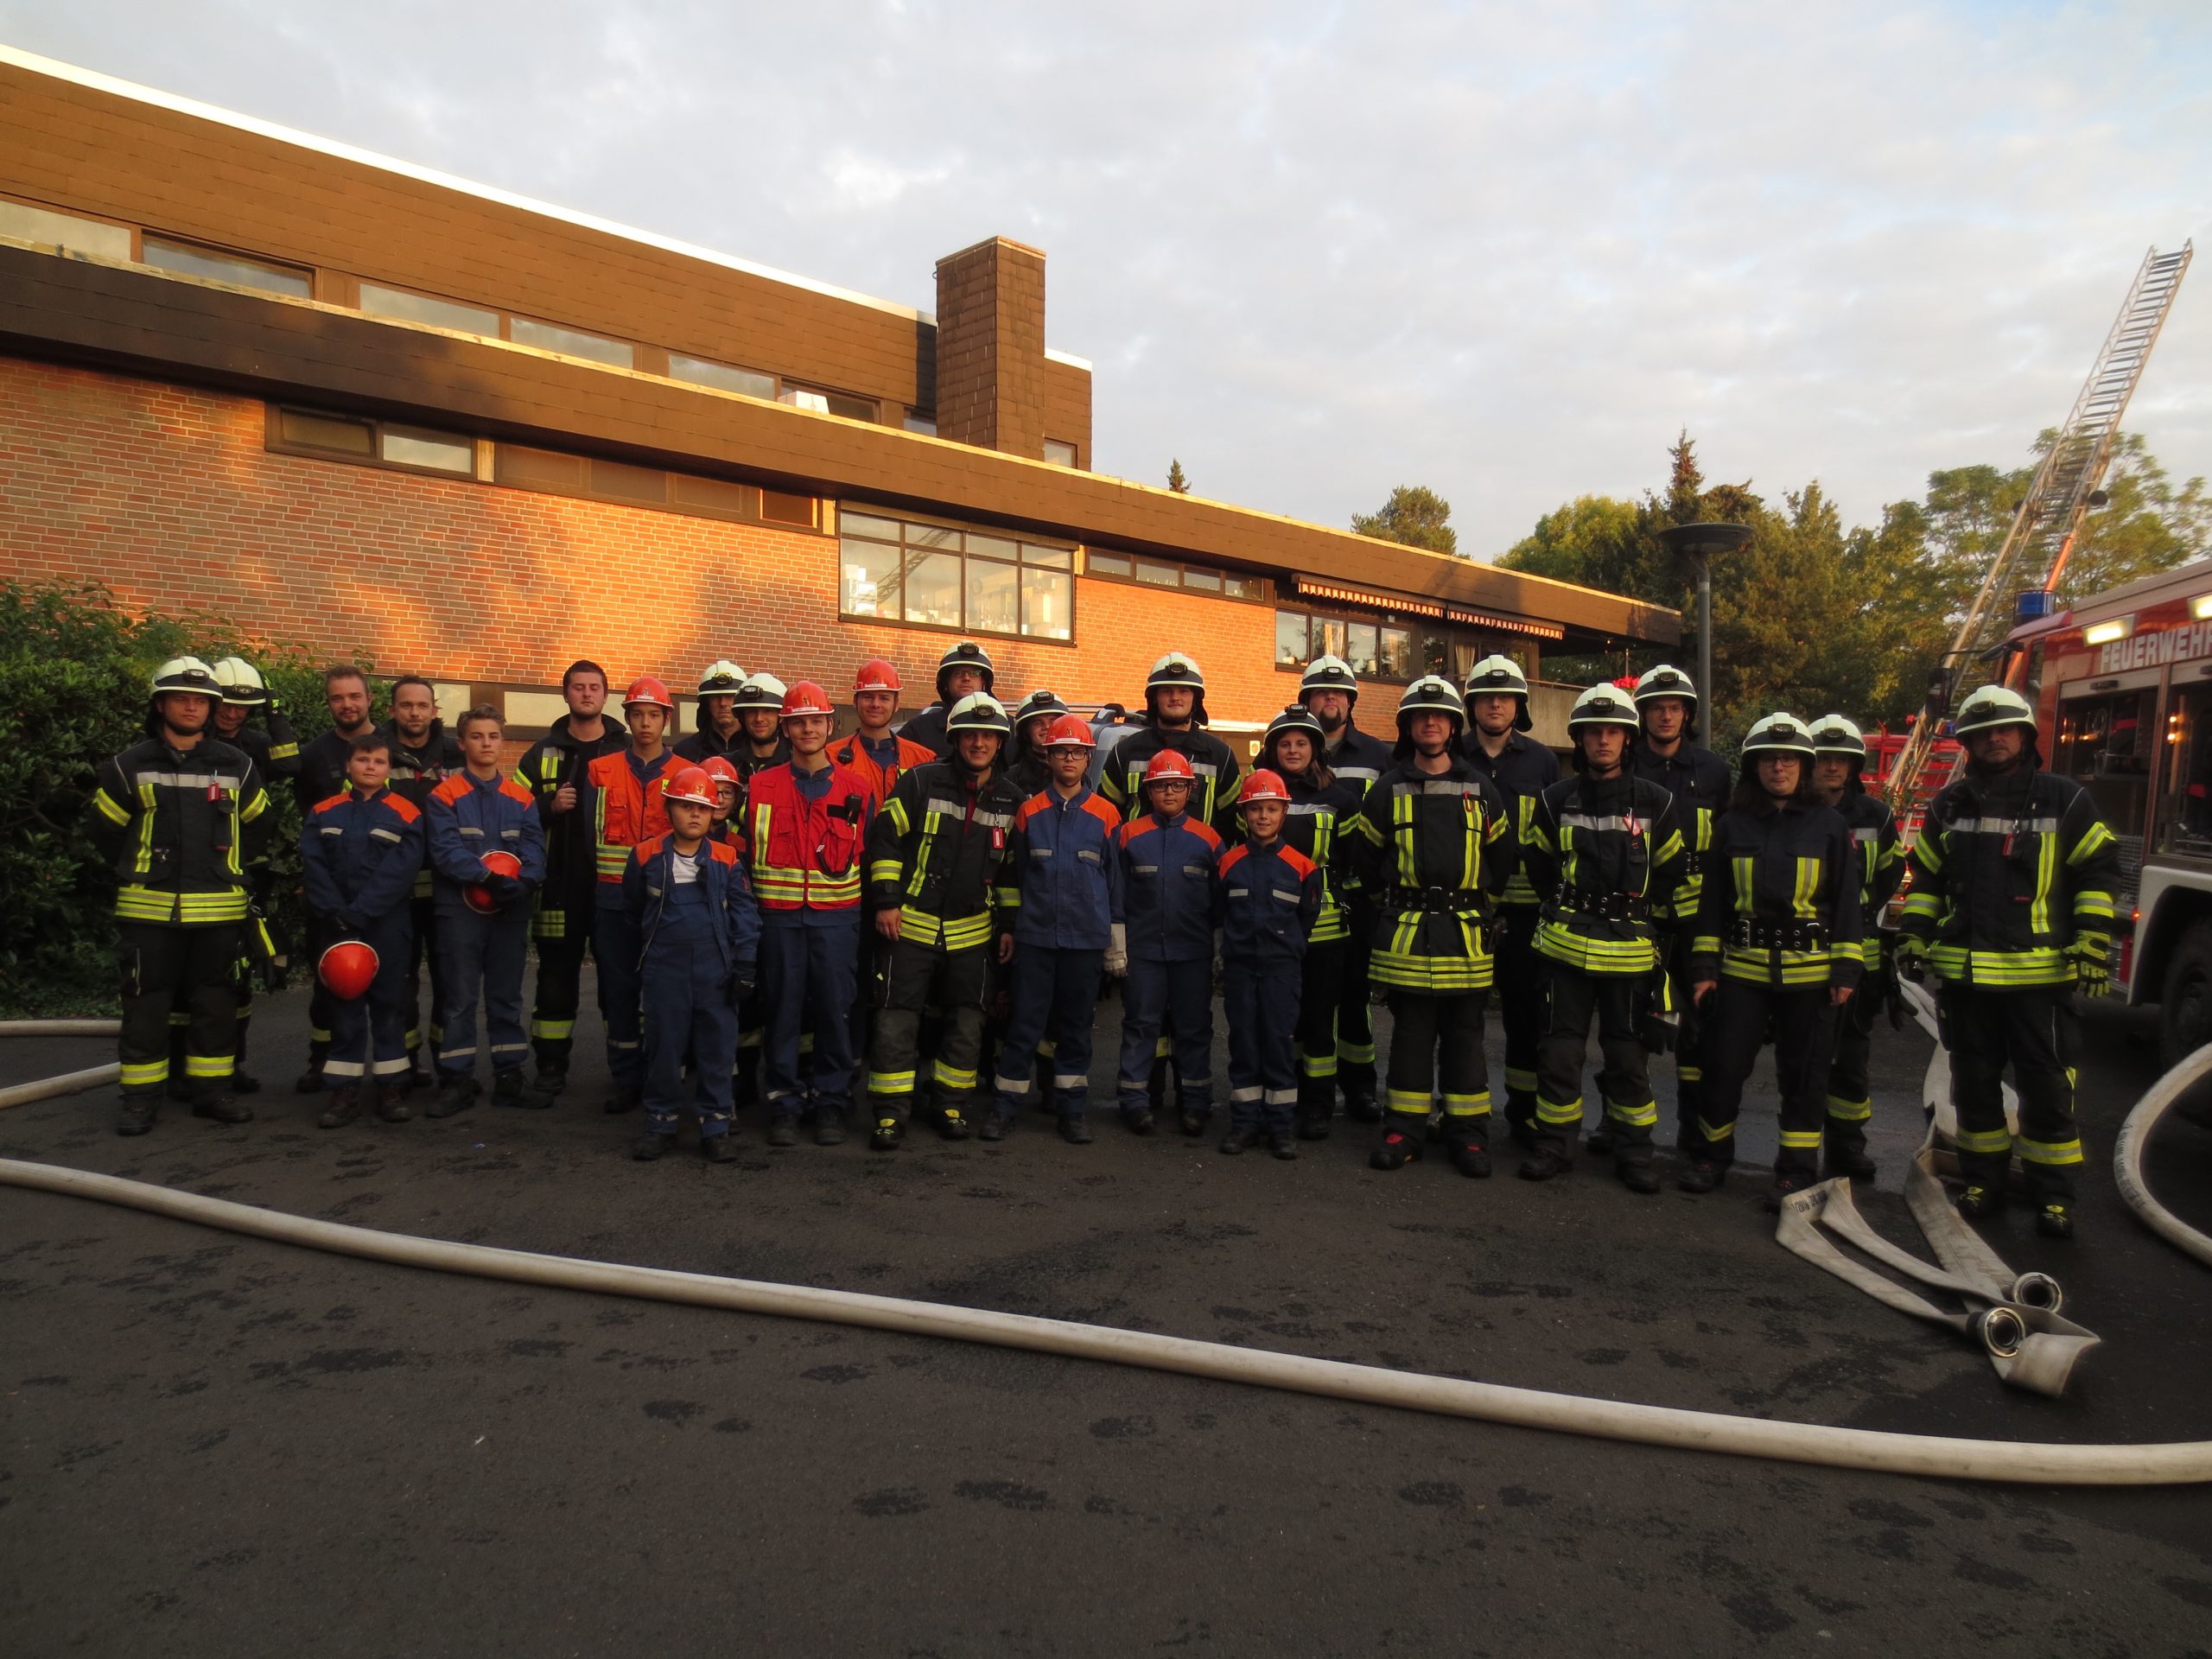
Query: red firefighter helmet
[1262, 784]
[717, 766]
[1070, 732]
[480, 896]
[647, 689]
[876, 675]
[806, 698]
[693, 784]
[1170, 765]
[346, 969]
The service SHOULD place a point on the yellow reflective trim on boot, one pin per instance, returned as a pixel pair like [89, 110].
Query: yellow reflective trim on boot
[1519, 1081]
[1850, 1111]
[1406, 1100]
[553, 1030]
[1552, 1112]
[1636, 1118]
[140, 1074]
[1992, 1141]
[1800, 1139]
[2049, 1151]
[1317, 1065]
[1689, 1073]
[1467, 1105]
[1355, 1053]
[949, 1076]
[890, 1082]
[1722, 1132]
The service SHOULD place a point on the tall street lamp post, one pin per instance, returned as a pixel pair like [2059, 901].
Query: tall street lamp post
[1697, 543]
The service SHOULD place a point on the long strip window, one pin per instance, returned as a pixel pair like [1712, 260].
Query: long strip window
[945, 576]
[1172, 573]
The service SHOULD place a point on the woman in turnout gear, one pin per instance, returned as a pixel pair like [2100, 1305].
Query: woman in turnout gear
[178, 818]
[2011, 907]
[1497, 745]
[1266, 896]
[1436, 848]
[720, 728]
[1321, 805]
[1033, 718]
[1163, 933]
[1329, 690]
[626, 809]
[1603, 854]
[1839, 755]
[1666, 705]
[944, 892]
[964, 669]
[873, 751]
[1776, 949]
[275, 752]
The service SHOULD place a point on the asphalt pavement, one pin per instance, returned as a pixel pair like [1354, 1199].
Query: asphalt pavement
[214, 1445]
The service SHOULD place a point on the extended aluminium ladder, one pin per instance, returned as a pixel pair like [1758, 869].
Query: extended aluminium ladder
[2036, 549]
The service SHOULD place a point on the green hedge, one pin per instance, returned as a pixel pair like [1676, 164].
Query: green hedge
[73, 671]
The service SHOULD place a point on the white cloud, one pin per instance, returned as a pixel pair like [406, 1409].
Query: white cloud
[1318, 250]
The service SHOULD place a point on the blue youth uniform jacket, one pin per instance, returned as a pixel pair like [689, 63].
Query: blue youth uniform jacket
[1168, 869]
[1065, 854]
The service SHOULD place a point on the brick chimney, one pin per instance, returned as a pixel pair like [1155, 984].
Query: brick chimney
[990, 348]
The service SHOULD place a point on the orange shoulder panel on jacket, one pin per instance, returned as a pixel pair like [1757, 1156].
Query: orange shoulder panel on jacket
[1204, 831]
[515, 792]
[407, 810]
[329, 801]
[723, 852]
[452, 789]
[1233, 857]
[1136, 827]
[648, 849]
[1030, 808]
[1098, 807]
[1299, 864]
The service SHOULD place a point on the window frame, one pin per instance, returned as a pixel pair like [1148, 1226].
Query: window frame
[909, 549]
[275, 442]
[1222, 574]
[1420, 632]
[144, 236]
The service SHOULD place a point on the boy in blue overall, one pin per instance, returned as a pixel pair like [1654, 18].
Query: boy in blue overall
[1267, 895]
[1162, 939]
[1064, 850]
[360, 851]
[692, 907]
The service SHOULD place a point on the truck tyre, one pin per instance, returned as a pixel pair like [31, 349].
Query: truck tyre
[2185, 999]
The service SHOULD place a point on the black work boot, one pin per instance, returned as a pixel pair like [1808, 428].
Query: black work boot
[550, 1081]
[651, 1144]
[508, 1089]
[135, 1115]
[885, 1136]
[1471, 1161]
[1975, 1202]
[718, 1148]
[1546, 1164]
[2055, 1218]
[1847, 1160]
[1140, 1122]
[1637, 1177]
[623, 1098]
[244, 1082]
[829, 1126]
[1701, 1176]
[417, 1075]
[392, 1102]
[994, 1126]
[1600, 1140]
[1360, 1104]
[456, 1094]
[1074, 1130]
[311, 1081]
[219, 1105]
[783, 1130]
[1194, 1121]
[1785, 1184]
[1283, 1145]
[1395, 1150]
[951, 1125]
[345, 1106]
[1235, 1141]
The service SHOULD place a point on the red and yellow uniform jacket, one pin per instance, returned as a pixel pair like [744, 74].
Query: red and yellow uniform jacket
[804, 853]
[626, 808]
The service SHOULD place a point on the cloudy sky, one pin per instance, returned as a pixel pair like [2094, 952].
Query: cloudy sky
[1319, 250]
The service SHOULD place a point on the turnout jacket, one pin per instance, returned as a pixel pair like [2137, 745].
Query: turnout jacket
[179, 827]
[571, 854]
[2008, 873]
[926, 729]
[1358, 759]
[1604, 856]
[321, 771]
[1698, 779]
[1065, 855]
[804, 851]
[1881, 862]
[275, 751]
[628, 805]
[1166, 887]
[1436, 849]
[731, 912]
[1780, 907]
[416, 772]
[1314, 822]
[1123, 781]
[469, 816]
[1521, 772]
[359, 855]
[1266, 898]
[706, 743]
[938, 854]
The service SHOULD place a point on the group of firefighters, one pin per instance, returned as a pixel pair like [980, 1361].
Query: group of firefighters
[930, 911]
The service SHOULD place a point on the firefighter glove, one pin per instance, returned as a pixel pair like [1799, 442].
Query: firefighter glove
[2092, 955]
[1912, 957]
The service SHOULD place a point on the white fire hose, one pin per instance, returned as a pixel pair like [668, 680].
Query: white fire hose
[1928, 1456]
[2127, 1156]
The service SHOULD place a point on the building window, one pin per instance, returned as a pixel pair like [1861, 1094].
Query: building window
[571, 342]
[1290, 639]
[377, 444]
[24, 223]
[381, 302]
[1058, 453]
[1168, 573]
[553, 471]
[1376, 650]
[240, 271]
[924, 424]
[943, 576]
[828, 402]
[723, 377]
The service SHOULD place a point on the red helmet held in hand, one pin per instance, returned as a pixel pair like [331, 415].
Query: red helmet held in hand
[478, 896]
[346, 969]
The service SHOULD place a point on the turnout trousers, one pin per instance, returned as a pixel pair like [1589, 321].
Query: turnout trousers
[1689, 1043]
[1054, 994]
[368, 1035]
[1520, 982]
[687, 1015]
[1570, 1002]
[1355, 1025]
[483, 961]
[422, 950]
[1262, 1007]
[320, 932]
[951, 984]
[807, 976]
[187, 968]
[1320, 984]
[1737, 1020]
[1149, 992]
[1438, 1041]
[1851, 1103]
[560, 974]
[2034, 1032]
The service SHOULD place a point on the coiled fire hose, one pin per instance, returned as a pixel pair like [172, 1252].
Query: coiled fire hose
[1928, 1456]
[2127, 1156]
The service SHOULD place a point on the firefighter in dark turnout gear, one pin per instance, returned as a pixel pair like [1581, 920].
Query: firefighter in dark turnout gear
[1026, 768]
[1330, 691]
[1436, 850]
[275, 752]
[721, 731]
[1521, 769]
[964, 671]
[321, 774]
[178, 818]
[1666, 703]
[759, 705]
[556, 772]
[944, 892]
[1838, 753]
[1321, 805]
[2011, 907]
[423, 755]
[1604, 857]
[1776, 948]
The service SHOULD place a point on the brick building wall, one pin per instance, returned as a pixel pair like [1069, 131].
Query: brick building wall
[170, 496]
